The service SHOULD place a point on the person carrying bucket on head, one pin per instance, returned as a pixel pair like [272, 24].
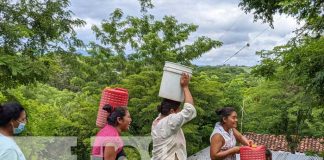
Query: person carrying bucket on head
[168, 139]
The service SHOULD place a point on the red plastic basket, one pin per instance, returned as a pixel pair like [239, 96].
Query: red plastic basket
[252, 153]
[114, 97]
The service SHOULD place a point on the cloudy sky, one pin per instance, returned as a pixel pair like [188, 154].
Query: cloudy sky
[218, 19]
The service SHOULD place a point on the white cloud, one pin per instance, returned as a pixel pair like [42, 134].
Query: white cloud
[100, 9]
[219, 19]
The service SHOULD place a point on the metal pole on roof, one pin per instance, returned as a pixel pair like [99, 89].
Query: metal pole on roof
[242, 116]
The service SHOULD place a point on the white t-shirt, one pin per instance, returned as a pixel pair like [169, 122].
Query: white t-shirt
[9, 149]
[167, 135]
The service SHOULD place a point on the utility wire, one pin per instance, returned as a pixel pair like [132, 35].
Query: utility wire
[247, 45]
[259, 34]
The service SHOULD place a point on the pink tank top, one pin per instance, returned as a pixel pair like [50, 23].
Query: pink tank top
[106, 136]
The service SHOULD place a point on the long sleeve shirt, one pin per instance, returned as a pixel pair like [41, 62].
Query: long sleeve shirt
[168, 139]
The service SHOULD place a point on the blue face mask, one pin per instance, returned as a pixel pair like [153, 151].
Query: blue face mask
[21, 127]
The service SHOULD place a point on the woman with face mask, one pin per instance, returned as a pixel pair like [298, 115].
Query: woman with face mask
[223, 139]
[12, 122]
[108, 144]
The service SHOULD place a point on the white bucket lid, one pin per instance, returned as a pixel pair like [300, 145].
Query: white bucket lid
[178, 67]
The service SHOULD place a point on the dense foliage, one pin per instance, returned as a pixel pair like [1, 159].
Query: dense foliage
[61, 89]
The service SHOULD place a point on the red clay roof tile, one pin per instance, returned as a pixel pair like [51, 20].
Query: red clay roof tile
[279, 142]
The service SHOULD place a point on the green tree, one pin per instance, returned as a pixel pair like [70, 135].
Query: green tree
[151, 42]
[146, 4]
[52, 112]
[310, 11]
[83, 73]
[29, 29]
[34, 27]
[298, 69]
[302, 62]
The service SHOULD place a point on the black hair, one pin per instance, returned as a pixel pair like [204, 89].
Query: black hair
[114, 114]
[224, 112]
[166, 105]
[10, 111]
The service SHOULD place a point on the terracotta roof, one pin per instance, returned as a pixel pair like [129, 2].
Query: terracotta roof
[279, 142]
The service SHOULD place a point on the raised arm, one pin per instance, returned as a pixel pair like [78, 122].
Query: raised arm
[176, 121]
[242, 139]
[184, 82]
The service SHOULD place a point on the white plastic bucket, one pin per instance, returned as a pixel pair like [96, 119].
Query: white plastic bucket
[170, 87]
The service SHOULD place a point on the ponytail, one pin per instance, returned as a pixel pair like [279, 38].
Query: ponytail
[108, 108]
[114, 114]
[224, 113]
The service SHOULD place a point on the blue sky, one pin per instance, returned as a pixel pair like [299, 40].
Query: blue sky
[218, 19]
